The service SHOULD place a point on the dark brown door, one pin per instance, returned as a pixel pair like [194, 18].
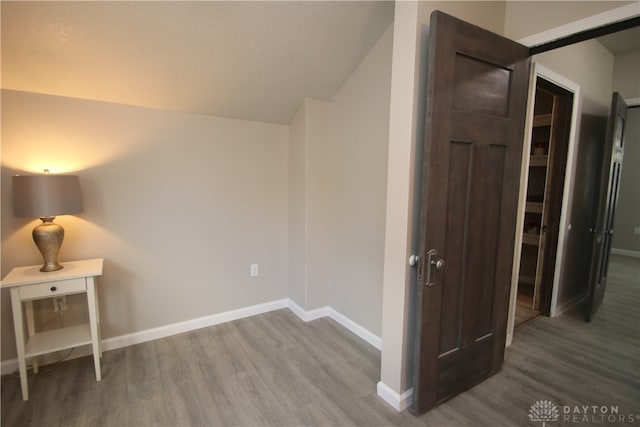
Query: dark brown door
[607, 201]
[477, 87]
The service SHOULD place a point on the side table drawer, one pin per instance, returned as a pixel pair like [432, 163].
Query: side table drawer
[52, 289]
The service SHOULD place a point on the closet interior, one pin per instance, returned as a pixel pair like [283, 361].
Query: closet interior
[545, 184]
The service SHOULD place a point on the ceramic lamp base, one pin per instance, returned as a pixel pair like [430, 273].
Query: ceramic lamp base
[48, 237]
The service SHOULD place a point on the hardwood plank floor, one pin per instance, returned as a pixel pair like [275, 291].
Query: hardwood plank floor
[274, 369]
[524, 313]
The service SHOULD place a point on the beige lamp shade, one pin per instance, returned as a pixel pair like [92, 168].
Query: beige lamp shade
[46, 195]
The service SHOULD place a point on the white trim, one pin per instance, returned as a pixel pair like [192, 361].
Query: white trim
[8, 366]
[340, 318]
[591, 22]
[569, 176]
[538, 70]
[399, 402]
[190, 325]
[11, 365]
[632, 102]
[309, 315]
[625, 252]
[524, 179]
[363, 333]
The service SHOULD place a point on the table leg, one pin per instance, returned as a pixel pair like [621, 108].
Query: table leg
[93, 321]
[98, 317]
[31, 329]
[16, 305]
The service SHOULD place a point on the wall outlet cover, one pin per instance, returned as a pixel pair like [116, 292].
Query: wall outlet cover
[60, 303]
[253, 270]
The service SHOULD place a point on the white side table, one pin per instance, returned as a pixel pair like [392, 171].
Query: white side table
[28, 284]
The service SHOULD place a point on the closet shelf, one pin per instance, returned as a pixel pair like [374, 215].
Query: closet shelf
[542, 120]
[531, 239]
[538, 161]
[534, 207]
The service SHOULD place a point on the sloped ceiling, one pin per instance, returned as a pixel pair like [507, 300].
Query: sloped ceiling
[622, 42]
[244, 60]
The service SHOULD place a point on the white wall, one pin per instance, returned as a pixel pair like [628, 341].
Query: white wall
[626, 69]
[308, 187]
[588, 64]
[297, 207]
[357, 169]
[489, 15]
[525, 18]
[318, 206]
[178, 204]
[337, 194]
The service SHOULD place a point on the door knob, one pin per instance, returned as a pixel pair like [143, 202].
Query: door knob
[413, 260]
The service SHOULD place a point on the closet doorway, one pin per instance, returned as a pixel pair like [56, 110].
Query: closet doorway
[545, 182]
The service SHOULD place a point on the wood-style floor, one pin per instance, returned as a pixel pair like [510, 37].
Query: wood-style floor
[274, 369]
[524, 313]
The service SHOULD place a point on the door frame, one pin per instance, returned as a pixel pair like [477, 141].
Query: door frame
[395, 386]
[602, 19]
[540, 71]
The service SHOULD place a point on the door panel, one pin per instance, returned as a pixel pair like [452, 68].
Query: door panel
[476, 101]
[607, 201]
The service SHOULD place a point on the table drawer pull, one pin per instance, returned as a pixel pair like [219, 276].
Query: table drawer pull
[59, 287]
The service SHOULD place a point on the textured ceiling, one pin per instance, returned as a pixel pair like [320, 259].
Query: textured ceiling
[245, 60]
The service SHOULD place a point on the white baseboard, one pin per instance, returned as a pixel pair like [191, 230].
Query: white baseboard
[363, 333]
[191, 325]
[625, 252]
[343, 320]
[308, 315]
[398, 401]
[11, 365]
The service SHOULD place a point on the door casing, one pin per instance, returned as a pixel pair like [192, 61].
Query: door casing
[540, 71]
[394, 386]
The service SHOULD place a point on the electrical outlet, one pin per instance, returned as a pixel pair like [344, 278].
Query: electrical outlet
[60, 303]
[636, 230]
[253, 271]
